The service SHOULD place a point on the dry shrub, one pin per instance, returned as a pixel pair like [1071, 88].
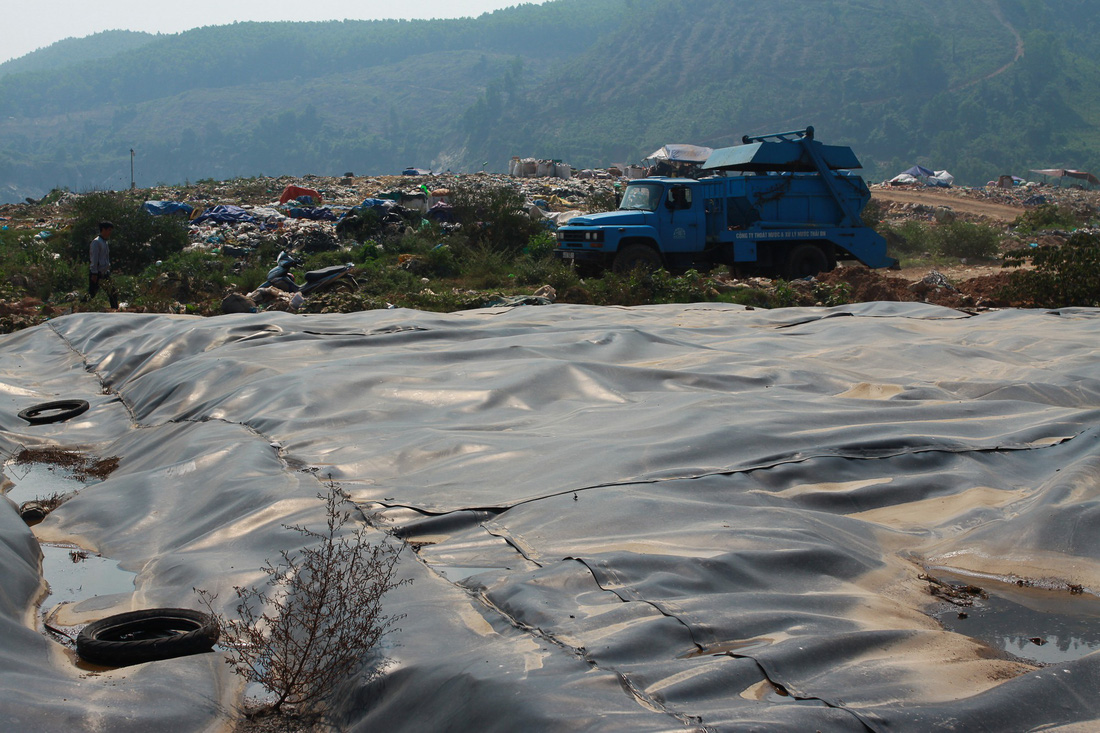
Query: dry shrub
[318, 616]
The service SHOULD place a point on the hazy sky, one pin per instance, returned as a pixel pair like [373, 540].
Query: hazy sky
[32, 25]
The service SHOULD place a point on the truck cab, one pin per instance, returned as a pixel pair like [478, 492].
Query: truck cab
[658, 221]
[790, 208]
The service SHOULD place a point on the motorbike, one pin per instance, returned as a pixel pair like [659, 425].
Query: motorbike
[336, 277]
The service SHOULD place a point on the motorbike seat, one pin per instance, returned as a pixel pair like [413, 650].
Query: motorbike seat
[324, 272]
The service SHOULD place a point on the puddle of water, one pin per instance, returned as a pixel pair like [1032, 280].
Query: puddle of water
[1042, 626]
[31, 481]
[457, 574]
[76, 575]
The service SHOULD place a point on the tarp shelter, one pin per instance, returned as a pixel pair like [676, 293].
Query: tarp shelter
[291, 193]
[942, 179]
[1066, 173]
[919, 171]
[679, 153]
[903, 179]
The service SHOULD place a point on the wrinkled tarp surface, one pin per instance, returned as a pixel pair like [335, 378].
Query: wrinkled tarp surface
[314, 213]
[681, 153]
[165, 208]
[224, 214]
[627, 519]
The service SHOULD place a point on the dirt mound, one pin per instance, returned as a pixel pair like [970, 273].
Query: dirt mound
[869, 285]
[988, 291]
[983, 291]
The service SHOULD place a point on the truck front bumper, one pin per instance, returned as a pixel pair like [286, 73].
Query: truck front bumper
[580, 255]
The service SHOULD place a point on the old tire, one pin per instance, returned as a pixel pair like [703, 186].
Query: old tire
[806, 260]
[32, 512]
[636, 255]
[56, 411]
[146, 636]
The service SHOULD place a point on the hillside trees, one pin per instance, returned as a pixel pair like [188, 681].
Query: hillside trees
[589, 81]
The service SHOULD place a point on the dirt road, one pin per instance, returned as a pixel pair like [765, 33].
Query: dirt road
[975, 207]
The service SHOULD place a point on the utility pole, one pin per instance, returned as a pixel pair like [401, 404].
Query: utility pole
[132, 184]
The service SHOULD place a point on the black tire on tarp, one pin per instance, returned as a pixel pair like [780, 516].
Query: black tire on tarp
[146, 636]
[56, 411]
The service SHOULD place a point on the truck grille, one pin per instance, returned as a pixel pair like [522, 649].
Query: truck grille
[578, 237]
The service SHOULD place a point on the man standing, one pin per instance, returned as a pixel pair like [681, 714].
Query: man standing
[99, 271]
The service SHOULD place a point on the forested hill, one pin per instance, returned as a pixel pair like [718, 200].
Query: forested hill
[75, 51]
[980, 88]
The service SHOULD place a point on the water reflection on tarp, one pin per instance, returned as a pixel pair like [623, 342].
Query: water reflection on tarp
[31, 481]
[74, 575]
[632, 483]
[1043, 626]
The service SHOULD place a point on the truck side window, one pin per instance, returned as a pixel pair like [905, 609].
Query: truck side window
[679, 197]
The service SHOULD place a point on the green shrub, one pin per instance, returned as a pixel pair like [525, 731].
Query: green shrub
[138, 239]
[639, 288]
[493, 217]
[785, 296]
[532, 271]
[482, 266]
[1066, 275]
[319, 260]
[910, 239]
[249, 278]
[35, 267]
[1045, 216]
[192, 278]
[830, 295]
[541, 245]
[966, 241]
[442, 262]
[955, 239]
[386, 280]
[754, 297]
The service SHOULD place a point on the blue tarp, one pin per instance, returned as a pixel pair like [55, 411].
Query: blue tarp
[919, 171]
[163, 208]
[376, 204]
[316, 214]
[225, 214]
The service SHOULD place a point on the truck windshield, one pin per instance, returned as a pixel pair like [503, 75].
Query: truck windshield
[642, 197]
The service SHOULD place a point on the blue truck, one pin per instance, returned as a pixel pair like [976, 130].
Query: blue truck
[781, 204]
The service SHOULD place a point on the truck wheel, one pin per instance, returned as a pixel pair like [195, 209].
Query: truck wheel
[806, 260]
[636, 255]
